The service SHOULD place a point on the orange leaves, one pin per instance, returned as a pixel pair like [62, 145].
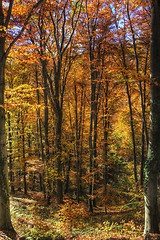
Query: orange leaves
[73, 213]
[26, 54]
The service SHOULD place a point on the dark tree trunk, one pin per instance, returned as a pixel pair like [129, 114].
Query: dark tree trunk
[66, 187]
[58, 129]
[77, 145]
[11, 173]
[93, 124]
[153, 159]
[132, 131]
[144, 122]
[5, 219]
[40, 138]
[46, 118]
[105, 143]
[142, 155]
[24, 155]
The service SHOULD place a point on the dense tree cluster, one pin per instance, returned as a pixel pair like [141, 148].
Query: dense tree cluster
[76, 98]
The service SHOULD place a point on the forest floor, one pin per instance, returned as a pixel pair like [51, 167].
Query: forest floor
[32, 218]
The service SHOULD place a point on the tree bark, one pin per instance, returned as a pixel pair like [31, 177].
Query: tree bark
[58, 128]
[105, 143]
[40, 137]
[132, 131]
[5, 219]
[24, 155]
[153, 159]
[77, 144]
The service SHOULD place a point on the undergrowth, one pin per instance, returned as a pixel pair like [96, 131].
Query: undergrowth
[34, 220]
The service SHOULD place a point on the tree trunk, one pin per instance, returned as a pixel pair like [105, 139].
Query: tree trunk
[142, 155]
[105, 143]
[5, 219]
[68, 168]
[24, 156]
[40, 137]
[144, 124]
[46, 118]
[11, 173]
[153, 159]
[77, 145]
[132, 131]
[58, 128]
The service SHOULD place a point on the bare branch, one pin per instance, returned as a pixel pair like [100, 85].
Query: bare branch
[23, 28]
[63, 28]
[55, 32]
[8, 13]
[74, 27]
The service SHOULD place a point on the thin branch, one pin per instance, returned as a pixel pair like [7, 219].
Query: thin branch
[23, 28]
[55, 32]
[8, 13]
[70, 38]
[63, 28]
[133, 38]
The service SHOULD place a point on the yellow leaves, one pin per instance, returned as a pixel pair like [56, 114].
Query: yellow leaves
[21, 8]
[3, 31]
[34, 164]
[73, 213]
[26, 54]
[3, 28]
[22, 96]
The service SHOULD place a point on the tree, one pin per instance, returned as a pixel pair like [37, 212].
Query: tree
[153, 160]
[57, 38]
[5, 219]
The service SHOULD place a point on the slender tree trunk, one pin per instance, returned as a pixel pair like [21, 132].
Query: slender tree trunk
[144, 133]
[127, 88]
[92, 140]
[18, 173]
[143, 104]
[105, 143]
[66, 188]
[144, 124]
[58, 129]
[132, 131]
[152, 164]
[40, 141]
[47, 155]
[77, 144]
[142, 155]
[11, 173]
[24, 156]
[82, 137]
[79, 138]
[91, 163]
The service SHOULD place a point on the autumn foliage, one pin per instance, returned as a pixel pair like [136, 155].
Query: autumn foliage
[77, 116]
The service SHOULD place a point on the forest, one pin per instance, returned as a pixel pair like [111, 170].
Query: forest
[79, 119]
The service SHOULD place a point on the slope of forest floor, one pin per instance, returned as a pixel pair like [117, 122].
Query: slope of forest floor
[33, 219]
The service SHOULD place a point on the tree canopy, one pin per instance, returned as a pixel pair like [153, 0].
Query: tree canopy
[75, 103]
